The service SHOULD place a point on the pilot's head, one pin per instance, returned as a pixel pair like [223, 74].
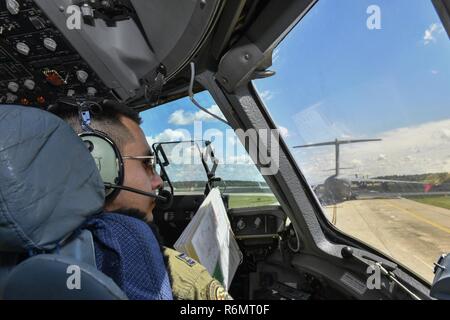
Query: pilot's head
[121, 124]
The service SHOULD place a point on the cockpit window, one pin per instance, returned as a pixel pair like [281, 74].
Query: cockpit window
[183, 132]
[361, 98]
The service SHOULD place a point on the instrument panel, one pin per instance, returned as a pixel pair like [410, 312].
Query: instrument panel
[256, 223]
[263, 223]
[37, 64]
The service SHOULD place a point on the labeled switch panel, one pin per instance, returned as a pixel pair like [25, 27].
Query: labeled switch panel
[37, 64]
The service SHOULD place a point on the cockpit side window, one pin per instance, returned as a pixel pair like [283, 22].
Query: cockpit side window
[181, 121]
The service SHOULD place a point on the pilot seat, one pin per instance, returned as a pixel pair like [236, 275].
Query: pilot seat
[49, 187]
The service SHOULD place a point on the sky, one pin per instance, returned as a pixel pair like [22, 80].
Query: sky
[336, 78]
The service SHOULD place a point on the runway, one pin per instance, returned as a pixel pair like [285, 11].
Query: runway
[413, 233]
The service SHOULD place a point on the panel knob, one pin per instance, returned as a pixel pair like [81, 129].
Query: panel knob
[241, 225]
[13, 87]
[91, 91]
[29, 84]
[82, 76]
[50, 44]
[13, 6]
[23, 48]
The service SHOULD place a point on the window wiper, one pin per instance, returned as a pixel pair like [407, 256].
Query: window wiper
[348, 253]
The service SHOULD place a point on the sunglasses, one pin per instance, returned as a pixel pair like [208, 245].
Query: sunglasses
[148, 161]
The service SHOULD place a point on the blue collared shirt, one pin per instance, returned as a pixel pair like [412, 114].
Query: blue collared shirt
[128, 252]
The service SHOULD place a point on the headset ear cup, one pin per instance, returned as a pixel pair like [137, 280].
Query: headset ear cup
[107, 158]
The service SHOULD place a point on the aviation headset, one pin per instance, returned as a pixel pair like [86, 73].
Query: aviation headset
[108, 158]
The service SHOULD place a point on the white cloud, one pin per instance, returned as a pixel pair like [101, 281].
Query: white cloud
[431, 32]
[203, 116]
[191, 151]
[284, 132]
[183, 118]
[434, 72]
[232, 141]
[408, 158]
[411, 150]
[445, 134]
[170, 135]
[266, 95]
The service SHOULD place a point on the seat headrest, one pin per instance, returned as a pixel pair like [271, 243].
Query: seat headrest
[49, 182]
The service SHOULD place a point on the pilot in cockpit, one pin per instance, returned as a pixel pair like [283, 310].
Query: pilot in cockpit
[127, 165]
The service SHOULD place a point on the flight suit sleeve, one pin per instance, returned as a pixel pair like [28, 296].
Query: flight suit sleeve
[190, 280]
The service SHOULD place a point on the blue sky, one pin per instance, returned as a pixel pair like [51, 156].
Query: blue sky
[336, 78]
[383, 77]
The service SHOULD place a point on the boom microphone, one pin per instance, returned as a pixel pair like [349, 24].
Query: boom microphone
[164, 204]
[162, 199]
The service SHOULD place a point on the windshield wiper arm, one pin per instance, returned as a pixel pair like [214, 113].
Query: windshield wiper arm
[347, 253]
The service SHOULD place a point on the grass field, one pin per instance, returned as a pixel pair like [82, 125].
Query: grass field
[239, 201]
[437, 201]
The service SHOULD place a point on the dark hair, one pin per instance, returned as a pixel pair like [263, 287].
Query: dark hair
[105, 117]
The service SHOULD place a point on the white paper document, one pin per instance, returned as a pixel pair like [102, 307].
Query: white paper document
[209, 239]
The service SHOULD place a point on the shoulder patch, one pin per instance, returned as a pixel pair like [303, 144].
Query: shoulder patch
[216, 291]
[189, 261]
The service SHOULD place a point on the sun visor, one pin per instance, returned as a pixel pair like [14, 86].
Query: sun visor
[175, 29]
[49, 183]
[127, 43]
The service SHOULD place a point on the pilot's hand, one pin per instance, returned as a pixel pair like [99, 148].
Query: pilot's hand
[190, 280]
